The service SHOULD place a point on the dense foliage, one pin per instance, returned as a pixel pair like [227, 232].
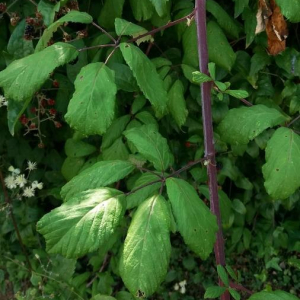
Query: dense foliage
[103, 172]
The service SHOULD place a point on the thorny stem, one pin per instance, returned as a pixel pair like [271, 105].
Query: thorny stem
[10, 207]
[200, 12]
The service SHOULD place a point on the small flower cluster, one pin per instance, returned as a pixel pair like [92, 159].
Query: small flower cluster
[180, 286]
[3, 101]
[16, 180]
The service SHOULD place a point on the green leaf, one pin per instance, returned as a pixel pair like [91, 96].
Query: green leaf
[160, 6]
[142, 9]
[114, 131]
[195, 222]
[124, 77]
[100, 174]
[151, 145]
[145, 257]
[75, 148]
[259, 61]
[190, 46]
[239, 7]
[223, 275]
[225, 21]
[281, 171]
[17, 45]
[14, 111]
[84, 223]
[214, 292]
[234, 294]
[124, 27]
[239, 206]
[219, 49]
[117, 151]
[111, 10]
[188, 72]
[147, 77]
[136, 198]
[176, 103]
[23, 77]
[124, 296]
[276, 295]
[199, 77]
[243, 124]
[289, 60]
[221, 85]
[225, 204]
[212, 70]
[73, 16]
[48, 11]
[249, 17]
[91, 109]
[239, 94]
[71, 167]
[231, 272]
[290, 9]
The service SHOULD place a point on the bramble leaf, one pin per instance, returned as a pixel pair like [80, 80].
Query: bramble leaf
[196, 223]
[145, 257]
[243, 124]
[100, 174]
[290, 9]
[281, 170]
[91, 109]
[214, 292]
[147, 77]
[176, 103]
[275, 295]
[23, 77]
[84, 223]
[73, 16]
[151, 145]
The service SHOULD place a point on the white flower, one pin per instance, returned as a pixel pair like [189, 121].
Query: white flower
[36, 184]
[13, 170]
[10, 182]
[31, 165]
[176, 287]
[3, 101]
[182, 285]
[28, 192]
[21, 180]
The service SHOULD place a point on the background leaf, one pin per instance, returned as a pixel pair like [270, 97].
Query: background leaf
[281, 171]
[195, 222]
[147, 249]
[84, 223]
[151, 145]
[91, 109]
[243, 124]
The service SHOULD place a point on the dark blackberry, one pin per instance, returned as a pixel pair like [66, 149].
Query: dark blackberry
[29, 30]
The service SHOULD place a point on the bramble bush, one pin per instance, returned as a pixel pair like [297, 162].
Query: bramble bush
[139, 137]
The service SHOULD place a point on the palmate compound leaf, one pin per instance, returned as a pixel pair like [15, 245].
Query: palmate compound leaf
[145, 257]
[100, 174]
[151, 145]
[196, 224]
[91, 109]
[243, 124]
[281, 171]
[275, 295]
[73, 16]
[84, 223]
[23, 77]
[146, 76]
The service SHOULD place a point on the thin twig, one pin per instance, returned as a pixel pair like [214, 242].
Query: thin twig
[8, 7]
[35, 4]
[293, 121]
[150, 171]
[96, 47]
[246, 102]
[170, 24]
[240, 288]
[10, 206]
[104, 31]
[200, 7]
